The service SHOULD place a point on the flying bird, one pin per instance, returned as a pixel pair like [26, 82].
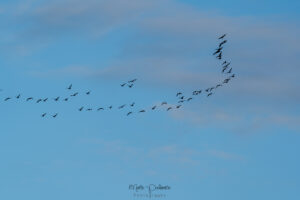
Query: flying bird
[55, 115]
[88, 93]
[220, 38]
[8, 98]
[169, 108]
[19, 95]
[122, 106]
[89, 109]
[44, 114]
[178, 106]
[209, 94]
[164, 103]
[189, 99]
[220, 56]
[219, 85]
[100, 109]
[70, 87]
[130, 86]
[153, 108]
[233, 75]
[181, 101]
[39, 100]
[132, 80]
[141, 111]
[45, 99]
[122, 85]
[56, 99]
[229, 71]
[75, 94]
[30, 98]
[218, 50]
[129, 113]
[132, 104]
[80, 109]
[110, 107]
[178, 94]
[66, 99]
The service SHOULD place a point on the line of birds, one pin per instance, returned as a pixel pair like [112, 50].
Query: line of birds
[181, 97]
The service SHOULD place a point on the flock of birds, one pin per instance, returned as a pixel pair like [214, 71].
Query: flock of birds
[181, 98]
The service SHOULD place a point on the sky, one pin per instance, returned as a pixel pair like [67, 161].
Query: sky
[240, 143]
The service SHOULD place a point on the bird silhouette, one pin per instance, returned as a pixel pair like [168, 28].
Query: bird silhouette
[132, 104]
[45, 100]
[89, 109]
[223, 42]
[226, 80]
[229, 71]
[164, 103]
[110, 107]
[75, 94]
[178, 106]
[100, 109]
[153, 108]
[233, 75]
[141, 111]
[8, 98]
[122, 85]
[220, 38]
[80, 109]
[39, 100]
[88, 93]
[122, 106]
[181, 101]
[220, 56]
[225, 62]
[66, 99]
[44, 114]
[218, 50]
[70, 87]
[178, 94]
[219, 85]
[209, 94]
[189, 99]
[129, 113]
[132, 80]
[182, 97]
[169, 108]
[18, 97]
[56, 99]
[30, 98]
[55, 115]
[130, 86]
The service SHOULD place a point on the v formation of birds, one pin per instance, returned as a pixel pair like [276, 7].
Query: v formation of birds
[182, 98]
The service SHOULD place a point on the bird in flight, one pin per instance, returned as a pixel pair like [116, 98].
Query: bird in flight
[219, 85]
[178, 106]
[233, 75]
[80, 109]
[8, 98]
[19, 95]
[89, 109]
[44, 114]
[220, 38]
[30, 98]
[75, 94]
[100, 109]
[178, 94]
[220, 56]
[88, 93]
[218, 50]
[141, 111]
[220, 45]
[132, 104]
[70, 87]
[129, 113]
[122, 85]
[56, 99]
[209, 94]
[45, 99]
[169, 108]
[55, 115]
[189, 99]
[39, 100]
[130, 86]
[122, 106]
[153, 108]
[132, 81]
[229, 71]
[164, 103]
[181, 101]
[110, 107]
[66, 99]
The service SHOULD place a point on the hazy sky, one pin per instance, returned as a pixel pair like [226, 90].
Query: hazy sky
[241, 143]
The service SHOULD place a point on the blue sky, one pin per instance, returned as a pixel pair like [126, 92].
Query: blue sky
[240, 143]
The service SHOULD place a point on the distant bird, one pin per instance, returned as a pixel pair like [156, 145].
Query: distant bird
[8, 98]
[169, 108]
[222, 43]
[39, 100]
[182, 97]
[122, 106]
[88, 93]
[141, 111]
[220, 38]
[219, 85]
[178, 106]
[196, 92]
[209, 94]
[80, 109]
[30, 98]
[189, 99]
[210, 89]
[89, 109]
[132, 104]
[75, 94]
[207, 90]
[229, 71]
[132, 80]
[70, 87]
[122, 85]
[110, 107]
[66, 99]
[164, 103]
[181, 101]
[130, 86]
[233, 75]
[226, 80]
[129, 113]
[19, 95]
[100, 109]
[44, 114]
[178, 94]
[56, 99]
[55, 115]
[225, 62]
[218, 50]
[153, 108]
[45, 100]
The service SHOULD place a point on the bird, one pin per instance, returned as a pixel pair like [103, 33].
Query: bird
[132, 104]
[8, 98]
[222, 43]
[169, 108]
[181, 101]
[100, 109]
[142, 111]
[220, 38]
[178, 106]
[229, 71]
[55, 115]
[226, 80]
[209, 94]
[110, 107]
[80, 109]
[75, 94]
[30, 98]
[129, 113]
[218, 50]
[233, 75]
[56, 99]
[224, 62]
[122, 106]
[122, 85]
[182, 97]
[153, 108]
[178, 94]
[164, 103]
[132, 80]
[19, 95]
[89, 109]
[70, 87]
[44, 114]
[207, 90]
[220, 56]
[219, 85]
[130, 86]
[66, 99]
[189, 99]
[88, 93]
[45, 100]
[39, 100]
